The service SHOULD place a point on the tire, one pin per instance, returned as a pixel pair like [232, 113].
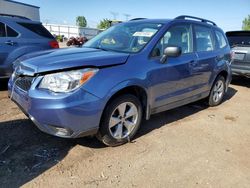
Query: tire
[123, 125]
[217, 92]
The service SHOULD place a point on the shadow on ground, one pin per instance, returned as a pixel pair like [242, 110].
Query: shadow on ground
[241, 81]
[26, 152]
[158, 120]
[3, 84]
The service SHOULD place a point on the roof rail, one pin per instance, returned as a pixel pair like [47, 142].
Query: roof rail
[134, 19]
[14, 16]
[183, 17]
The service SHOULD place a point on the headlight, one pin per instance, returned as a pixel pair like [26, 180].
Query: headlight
[64, 82]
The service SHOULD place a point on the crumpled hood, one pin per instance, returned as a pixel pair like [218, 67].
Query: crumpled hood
[56, 60]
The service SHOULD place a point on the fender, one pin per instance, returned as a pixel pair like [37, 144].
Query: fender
[129, 83]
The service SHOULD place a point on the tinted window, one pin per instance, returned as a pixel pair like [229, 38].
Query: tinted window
[2, 30]
[203, 36]
[38, 29]
[176, 36]
[221, 39]
[238, 38]
[11, 32]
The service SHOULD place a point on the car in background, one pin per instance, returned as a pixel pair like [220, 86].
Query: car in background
[240, 44]
[128, 72]
[19, 36]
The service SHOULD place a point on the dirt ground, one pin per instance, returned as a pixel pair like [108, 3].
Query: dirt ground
[191, 146]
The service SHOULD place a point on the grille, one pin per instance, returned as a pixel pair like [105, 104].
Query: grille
[24, 83]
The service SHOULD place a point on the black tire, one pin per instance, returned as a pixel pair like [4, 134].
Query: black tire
[105, 134]
[211, 98]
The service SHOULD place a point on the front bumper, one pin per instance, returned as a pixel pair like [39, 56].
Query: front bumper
[242, 69]
[241, 72]
[70, 115]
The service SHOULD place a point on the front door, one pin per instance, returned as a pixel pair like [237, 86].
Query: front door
[173, 81]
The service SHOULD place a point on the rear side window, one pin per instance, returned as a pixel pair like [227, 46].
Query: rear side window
[38, 29]
[204, 39]
[11, 32]
[221, 39]
[2, 30]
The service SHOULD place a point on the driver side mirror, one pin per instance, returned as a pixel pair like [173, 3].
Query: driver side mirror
[171, 51]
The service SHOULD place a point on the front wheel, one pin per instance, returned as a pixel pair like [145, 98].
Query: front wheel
[121, 120]
[217, 92]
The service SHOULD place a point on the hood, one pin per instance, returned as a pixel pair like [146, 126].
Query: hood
[68, 58]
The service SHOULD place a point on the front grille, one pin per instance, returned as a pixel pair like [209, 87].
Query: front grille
[24, 83]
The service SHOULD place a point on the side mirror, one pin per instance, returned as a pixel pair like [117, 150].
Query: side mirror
[171, 51]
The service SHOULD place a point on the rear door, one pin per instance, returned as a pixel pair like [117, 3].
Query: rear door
[204, 41]
[8, 43]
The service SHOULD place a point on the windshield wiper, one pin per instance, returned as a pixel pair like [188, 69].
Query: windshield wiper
[99, 48]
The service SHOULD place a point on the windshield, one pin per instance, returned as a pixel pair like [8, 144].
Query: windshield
[128, 37]
[238, 38]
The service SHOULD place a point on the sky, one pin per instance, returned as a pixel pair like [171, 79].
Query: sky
[228, 14]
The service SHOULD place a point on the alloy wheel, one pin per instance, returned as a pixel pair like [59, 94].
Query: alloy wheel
[123, 120]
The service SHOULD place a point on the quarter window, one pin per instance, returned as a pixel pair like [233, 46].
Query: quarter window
[203, 36]
[11, 32]
[221, 39]
[6, 31]
[2, 30]
[176, 36]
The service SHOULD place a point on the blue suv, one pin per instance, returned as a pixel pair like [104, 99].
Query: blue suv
[19, 36]
[126, 73]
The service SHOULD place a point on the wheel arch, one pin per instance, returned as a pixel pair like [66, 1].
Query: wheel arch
[136, 90]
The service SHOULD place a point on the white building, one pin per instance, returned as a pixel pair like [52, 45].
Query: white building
[20, 9]
[71, 30]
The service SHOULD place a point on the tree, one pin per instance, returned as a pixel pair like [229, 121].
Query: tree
[246, 23]
[81, 21]
[104, 24]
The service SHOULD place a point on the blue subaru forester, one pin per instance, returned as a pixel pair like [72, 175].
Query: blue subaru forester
[126, 73]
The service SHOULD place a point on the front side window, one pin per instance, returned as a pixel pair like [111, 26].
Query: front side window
[221, 39]
[128, 37]
[2, 30]
[180, 36]
[203, 37]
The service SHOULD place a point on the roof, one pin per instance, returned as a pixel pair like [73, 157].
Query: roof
[180, 18]
[160, 21]
[17, 19]
[16, 2]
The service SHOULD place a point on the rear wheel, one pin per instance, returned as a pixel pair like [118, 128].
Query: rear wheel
[121, 120]
[217, 92]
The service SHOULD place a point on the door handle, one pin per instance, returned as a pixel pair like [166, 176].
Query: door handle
[11, 43]
[193, 63]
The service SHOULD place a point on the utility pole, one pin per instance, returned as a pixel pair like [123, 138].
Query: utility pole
[114, 14]
[127, 16]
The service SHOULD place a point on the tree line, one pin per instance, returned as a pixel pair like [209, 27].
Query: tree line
[105, 23]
